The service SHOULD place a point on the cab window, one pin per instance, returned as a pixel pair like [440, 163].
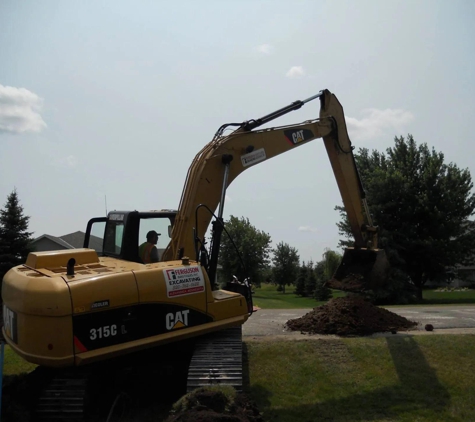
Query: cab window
[113, 237]
[161, 226]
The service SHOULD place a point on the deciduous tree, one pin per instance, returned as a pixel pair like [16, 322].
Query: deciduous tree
[324, 271]
[253, 247]
[285, 267]
[424, 207]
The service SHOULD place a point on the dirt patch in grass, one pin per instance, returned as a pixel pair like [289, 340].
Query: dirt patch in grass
[349, 316]
[215, 404]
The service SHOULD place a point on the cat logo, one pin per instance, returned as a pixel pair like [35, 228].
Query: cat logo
[297, 136]
[175, 320]
[9, 323]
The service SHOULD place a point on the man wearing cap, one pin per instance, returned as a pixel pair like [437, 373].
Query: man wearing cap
[148, 252]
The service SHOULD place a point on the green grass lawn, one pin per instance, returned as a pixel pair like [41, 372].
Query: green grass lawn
[397, 379]
[14, 364]
[385, 379]
[267, 297]
[431, 296]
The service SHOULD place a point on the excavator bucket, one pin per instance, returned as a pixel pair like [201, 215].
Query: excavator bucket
[360, 270]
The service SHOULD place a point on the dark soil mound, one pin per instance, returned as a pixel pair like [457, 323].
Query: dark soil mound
[215, 405]
[349, 316]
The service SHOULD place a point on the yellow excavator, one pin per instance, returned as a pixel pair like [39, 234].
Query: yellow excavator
[77, 309]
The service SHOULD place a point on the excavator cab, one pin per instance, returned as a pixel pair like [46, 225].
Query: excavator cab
[360, 269]
[120, 233]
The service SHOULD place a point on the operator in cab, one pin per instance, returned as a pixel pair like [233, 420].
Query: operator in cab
[148, 251]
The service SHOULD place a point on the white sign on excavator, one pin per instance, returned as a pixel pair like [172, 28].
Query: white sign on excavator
[184, 281]
[253, 157]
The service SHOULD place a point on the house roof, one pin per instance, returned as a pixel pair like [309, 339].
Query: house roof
[55, 239]
[73, 240]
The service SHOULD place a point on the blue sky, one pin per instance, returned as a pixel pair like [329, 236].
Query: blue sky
[115, 98]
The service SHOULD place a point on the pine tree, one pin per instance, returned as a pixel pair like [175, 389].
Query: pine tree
[300, 282]
[14, 237]
[321, 291]
[310, 280]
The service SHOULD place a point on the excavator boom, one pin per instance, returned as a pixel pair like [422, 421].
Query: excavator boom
[205, 177]
[226, 157]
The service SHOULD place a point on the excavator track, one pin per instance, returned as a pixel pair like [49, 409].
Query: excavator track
[63, 397]
[217, 360]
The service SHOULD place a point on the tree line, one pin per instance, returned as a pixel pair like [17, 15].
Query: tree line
[246, 253]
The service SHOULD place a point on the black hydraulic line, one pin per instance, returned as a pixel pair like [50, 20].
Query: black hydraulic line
[198, 240]
[218, 224]
[358, 178]
[252, 124]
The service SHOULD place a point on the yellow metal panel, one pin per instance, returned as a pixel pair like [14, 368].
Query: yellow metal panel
[228, 308]
[120, 264]
[44, 340]
[47, 296]
[120, 289]
[151, 284]
[61, 258]
[224, 294]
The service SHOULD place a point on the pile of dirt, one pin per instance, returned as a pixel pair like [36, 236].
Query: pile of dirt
[349, 316]
[215, 405]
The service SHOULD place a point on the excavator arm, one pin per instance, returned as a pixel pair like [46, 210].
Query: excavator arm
[342, 160]
[226, 157]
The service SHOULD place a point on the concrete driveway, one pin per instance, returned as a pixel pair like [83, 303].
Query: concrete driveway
[445, 319]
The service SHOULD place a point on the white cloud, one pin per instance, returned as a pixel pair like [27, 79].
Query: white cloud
[307, 229]
[228, 198]
[68, 162]
[265, 49]
[376, 123]
[19, 110]
[295, 72]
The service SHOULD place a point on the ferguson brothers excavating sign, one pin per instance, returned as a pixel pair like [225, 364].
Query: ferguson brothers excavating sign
[184, 281]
